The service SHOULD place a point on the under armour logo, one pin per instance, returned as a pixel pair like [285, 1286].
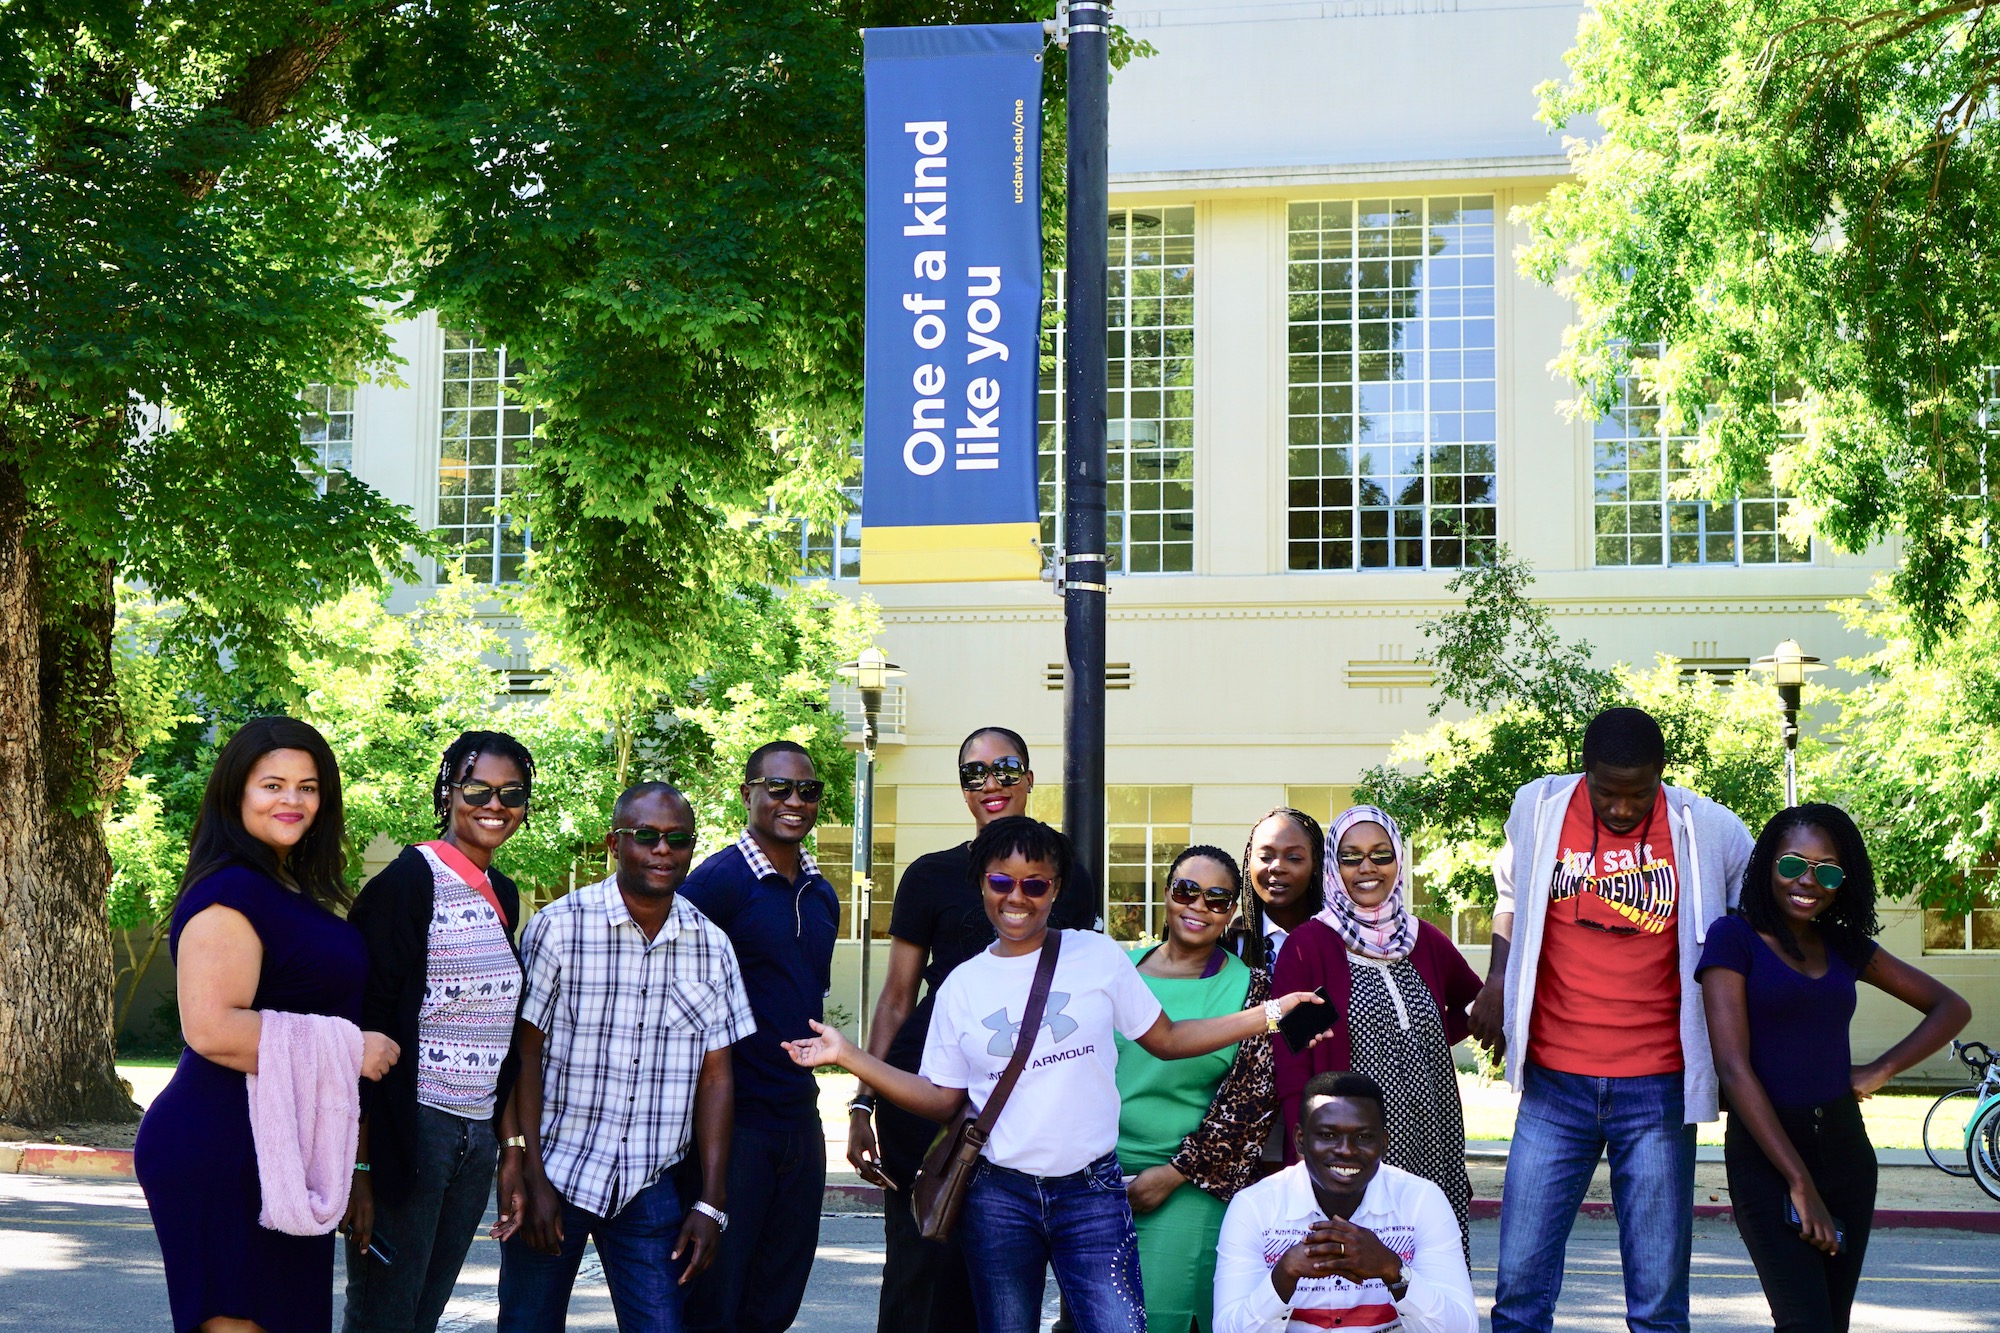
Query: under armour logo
[1005, 1034]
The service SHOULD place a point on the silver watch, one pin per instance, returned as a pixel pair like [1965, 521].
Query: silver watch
[720, 1218]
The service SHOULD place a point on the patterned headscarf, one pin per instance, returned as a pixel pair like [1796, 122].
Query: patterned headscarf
[1385, 931]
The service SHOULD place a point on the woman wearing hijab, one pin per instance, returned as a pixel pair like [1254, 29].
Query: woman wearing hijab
[1402, 989]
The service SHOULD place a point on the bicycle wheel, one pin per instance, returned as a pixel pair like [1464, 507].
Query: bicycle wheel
[1983, 1156]
[1944, 1131]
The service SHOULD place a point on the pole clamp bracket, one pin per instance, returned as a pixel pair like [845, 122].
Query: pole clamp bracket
[1092, 568]
[1074, 16]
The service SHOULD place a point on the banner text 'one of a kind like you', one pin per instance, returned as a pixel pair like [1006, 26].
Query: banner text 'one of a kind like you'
[954, 304]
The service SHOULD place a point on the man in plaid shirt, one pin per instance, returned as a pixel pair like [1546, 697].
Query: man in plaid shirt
[631, 1001]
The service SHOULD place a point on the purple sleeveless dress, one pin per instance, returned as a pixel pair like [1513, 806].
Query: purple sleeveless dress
[194, 1156]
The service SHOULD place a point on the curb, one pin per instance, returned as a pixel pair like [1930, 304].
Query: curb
[56, 1159]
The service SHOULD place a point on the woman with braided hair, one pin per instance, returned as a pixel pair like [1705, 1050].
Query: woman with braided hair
[445, 978]
[1282, 879]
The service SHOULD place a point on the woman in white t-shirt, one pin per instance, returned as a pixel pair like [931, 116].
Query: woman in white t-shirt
[1049, 1189]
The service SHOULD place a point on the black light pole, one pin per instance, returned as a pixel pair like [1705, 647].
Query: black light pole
[1083, 432]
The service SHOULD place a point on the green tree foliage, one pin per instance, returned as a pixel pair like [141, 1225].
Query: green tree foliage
[1453, 784]
[1798, 200]
[1916, 758]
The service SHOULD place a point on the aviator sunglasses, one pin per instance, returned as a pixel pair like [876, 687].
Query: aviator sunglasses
[514, 795]
[1828, 875]
[679, 839]
[1186, 892]
[1007, 770]
[1035, 886]
[1381, 856]
[781, 789]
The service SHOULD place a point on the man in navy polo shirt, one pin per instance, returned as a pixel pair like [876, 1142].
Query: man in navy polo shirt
[781, 916]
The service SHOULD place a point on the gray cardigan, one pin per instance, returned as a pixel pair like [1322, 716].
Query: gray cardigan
[1711, 849]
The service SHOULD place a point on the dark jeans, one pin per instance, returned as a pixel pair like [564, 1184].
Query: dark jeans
[428, 1231]
[1080, 1224]
[924, 1286]
[1566, 1122]
[1806, 1289]
[777, 1187]
[634, 1245]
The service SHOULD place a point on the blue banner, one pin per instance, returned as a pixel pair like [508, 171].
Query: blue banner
[954, 304]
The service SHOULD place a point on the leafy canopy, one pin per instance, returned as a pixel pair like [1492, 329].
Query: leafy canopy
[1799, 201]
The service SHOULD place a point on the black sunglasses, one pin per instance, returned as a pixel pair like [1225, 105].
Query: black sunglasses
[1035, 886]
[1008, 770]
[513, 795]
[781, 789]
[1380, 856]
[1830, 876]
[679, 839]
[1186, 892]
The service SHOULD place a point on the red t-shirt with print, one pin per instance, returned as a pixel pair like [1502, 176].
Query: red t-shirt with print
[1608, 988]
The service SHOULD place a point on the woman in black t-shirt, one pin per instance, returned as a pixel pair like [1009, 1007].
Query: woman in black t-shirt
[938, 922]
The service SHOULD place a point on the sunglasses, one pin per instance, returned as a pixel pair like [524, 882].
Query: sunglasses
[514, 795]
[781, 789]
[1380, 856]
[1826, 873]
[1186, 892]
[1035, 886]
[1007, 770]
[679, 839]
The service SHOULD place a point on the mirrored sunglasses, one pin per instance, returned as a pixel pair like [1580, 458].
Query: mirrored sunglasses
[1186, 892]
[781, 789]
[679, 839]
[1008, 770]
[1381, 856]
[1828, 875]
[513, 795]
[1033, 885]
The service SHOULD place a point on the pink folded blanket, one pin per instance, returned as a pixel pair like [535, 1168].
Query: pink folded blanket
[305, 1117]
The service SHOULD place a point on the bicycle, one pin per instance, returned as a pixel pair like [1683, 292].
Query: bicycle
[1968, 1146]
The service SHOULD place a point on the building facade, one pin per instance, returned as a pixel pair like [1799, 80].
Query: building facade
[1329, 387]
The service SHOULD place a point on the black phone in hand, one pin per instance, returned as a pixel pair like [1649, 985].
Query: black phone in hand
[1300, 1026]
[1839, 1231]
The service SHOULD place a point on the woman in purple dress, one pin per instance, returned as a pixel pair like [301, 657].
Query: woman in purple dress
[254, 931]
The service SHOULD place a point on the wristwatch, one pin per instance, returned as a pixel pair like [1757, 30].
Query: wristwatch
[720, 1218]
[1273, 1012]
[1400, 1287]
[863, 1101]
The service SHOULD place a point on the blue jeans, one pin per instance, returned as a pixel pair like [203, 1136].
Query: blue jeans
[428, 1231]
[777, 1186]
[633, 1245]
[1565, 1123]
[1017, 1225]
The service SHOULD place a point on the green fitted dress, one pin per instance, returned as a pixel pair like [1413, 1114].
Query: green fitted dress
[1163, 1101]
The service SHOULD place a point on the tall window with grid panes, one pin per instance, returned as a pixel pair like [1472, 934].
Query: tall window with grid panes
[1391, 420]
[327, 427]
[835, 553]
[1149, 408]
[1640, 520]
[484, 434]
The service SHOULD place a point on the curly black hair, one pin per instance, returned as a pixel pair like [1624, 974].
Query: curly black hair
[1248, 934]
[1017, 835]
[1851, 918]
[462, 754]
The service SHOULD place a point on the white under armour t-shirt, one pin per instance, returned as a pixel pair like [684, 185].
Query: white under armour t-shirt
[1063, 1114]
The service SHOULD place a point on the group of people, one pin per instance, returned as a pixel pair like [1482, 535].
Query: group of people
[639, 1072]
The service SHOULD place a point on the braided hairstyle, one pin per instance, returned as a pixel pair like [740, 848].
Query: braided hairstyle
[462, 754]
[1249, 934]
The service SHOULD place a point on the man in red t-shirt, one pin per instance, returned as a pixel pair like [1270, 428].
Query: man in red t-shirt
[1607, 886]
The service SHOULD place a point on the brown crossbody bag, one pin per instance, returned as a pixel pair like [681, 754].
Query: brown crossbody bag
[938, 1193]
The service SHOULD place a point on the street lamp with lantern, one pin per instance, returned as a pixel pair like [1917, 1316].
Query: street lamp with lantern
[870, 673]
[1788, 666]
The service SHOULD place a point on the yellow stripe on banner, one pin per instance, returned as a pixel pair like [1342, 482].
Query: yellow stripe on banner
[952, 553]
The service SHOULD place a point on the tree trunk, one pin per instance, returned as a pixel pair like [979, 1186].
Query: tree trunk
[56, 1036]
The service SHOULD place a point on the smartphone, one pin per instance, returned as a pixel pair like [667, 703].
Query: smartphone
[1300, 1026]
[378, 1249]
[1839, 1231]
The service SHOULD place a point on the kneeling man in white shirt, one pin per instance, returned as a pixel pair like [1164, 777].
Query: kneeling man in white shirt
[1339, 1240]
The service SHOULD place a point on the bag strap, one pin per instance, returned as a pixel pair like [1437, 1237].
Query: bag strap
[1031, 1025]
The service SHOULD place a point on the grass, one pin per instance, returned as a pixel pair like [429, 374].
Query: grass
[149, 1061]
[1895, 1119]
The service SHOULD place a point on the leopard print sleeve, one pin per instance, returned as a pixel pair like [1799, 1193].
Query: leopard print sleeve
[1221, 1157]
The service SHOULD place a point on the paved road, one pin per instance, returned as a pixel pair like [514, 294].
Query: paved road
[78, 1256]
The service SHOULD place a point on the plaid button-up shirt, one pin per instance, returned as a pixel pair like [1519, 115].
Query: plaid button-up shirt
[760, 864]
[626, 1023]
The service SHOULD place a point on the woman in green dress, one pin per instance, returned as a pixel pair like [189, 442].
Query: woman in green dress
[1192, 1131]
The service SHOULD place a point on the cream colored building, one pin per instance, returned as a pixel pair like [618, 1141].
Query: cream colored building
[1327, 377]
